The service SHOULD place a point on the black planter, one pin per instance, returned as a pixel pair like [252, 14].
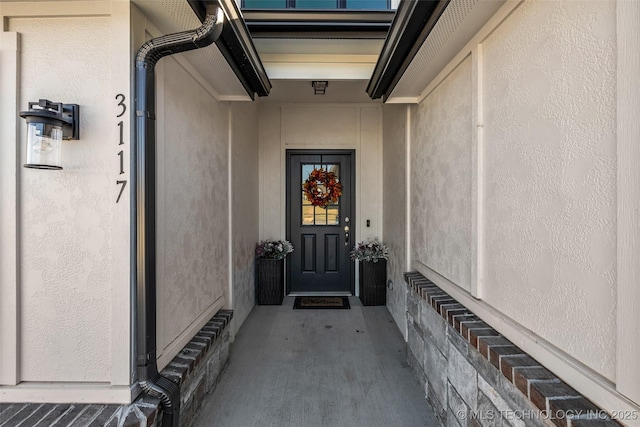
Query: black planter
[373, 282]
[269, 281]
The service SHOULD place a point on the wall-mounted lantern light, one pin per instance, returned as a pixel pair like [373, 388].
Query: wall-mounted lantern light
[48, 123]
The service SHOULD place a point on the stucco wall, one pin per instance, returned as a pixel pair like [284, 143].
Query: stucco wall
[315, 127]
[441, 178]
[68, 220]
[193, 206]
[547, 188]
[551, 175]
[394, 155]
[244, 195]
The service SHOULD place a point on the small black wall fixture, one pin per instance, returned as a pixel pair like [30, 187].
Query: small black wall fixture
[48, 123]
[144, 235]
[319, 86]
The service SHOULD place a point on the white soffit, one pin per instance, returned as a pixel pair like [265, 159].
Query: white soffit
[170, 16]
[319, 59]
[461, 20]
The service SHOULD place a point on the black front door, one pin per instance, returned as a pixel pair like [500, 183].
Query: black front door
[322, 237]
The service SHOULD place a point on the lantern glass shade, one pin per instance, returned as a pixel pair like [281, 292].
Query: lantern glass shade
[44, 145]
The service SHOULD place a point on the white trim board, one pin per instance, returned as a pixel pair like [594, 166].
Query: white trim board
[230, 223]
[628, 200]
[122, 329]
[51, 9]
[477, 187]
[9, 159]
[56, 392]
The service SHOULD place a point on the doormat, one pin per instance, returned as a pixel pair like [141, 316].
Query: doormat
[321, 303]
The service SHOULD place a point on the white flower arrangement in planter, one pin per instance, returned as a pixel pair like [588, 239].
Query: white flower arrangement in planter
[370, 250]
[273, 249]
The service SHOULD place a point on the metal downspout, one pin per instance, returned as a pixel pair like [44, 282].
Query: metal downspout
[144, 158]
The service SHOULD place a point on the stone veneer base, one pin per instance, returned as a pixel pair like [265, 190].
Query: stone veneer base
[196, 369]
[473, 376]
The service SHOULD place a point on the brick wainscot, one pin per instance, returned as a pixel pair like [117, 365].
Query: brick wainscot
[473, 376]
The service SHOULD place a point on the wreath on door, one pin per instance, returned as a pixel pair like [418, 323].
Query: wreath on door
[322, 188]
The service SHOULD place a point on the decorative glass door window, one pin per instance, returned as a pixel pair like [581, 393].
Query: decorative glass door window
[316, 215]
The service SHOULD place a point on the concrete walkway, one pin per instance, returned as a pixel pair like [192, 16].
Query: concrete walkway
[317, 368]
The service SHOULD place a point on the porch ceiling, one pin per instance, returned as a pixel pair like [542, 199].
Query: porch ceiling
[318, 59]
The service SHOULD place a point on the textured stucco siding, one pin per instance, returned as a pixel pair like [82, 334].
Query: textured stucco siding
[66, 219]
[193, 202]
[441, 156]
[550, 139]
[548, 183]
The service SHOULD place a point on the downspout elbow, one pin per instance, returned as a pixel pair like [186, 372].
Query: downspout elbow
[155, 49]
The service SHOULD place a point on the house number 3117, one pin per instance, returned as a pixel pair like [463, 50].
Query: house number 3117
[122, 183]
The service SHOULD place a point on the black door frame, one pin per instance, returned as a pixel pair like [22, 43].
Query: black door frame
[352, 231]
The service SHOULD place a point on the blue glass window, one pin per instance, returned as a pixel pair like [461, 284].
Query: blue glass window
[316, 4]
[264, 4]
[367, 4]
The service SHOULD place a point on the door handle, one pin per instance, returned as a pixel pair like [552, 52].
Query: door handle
[346, 238]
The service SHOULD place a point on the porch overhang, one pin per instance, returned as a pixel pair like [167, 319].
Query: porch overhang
[411, 26]
[236, 46]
